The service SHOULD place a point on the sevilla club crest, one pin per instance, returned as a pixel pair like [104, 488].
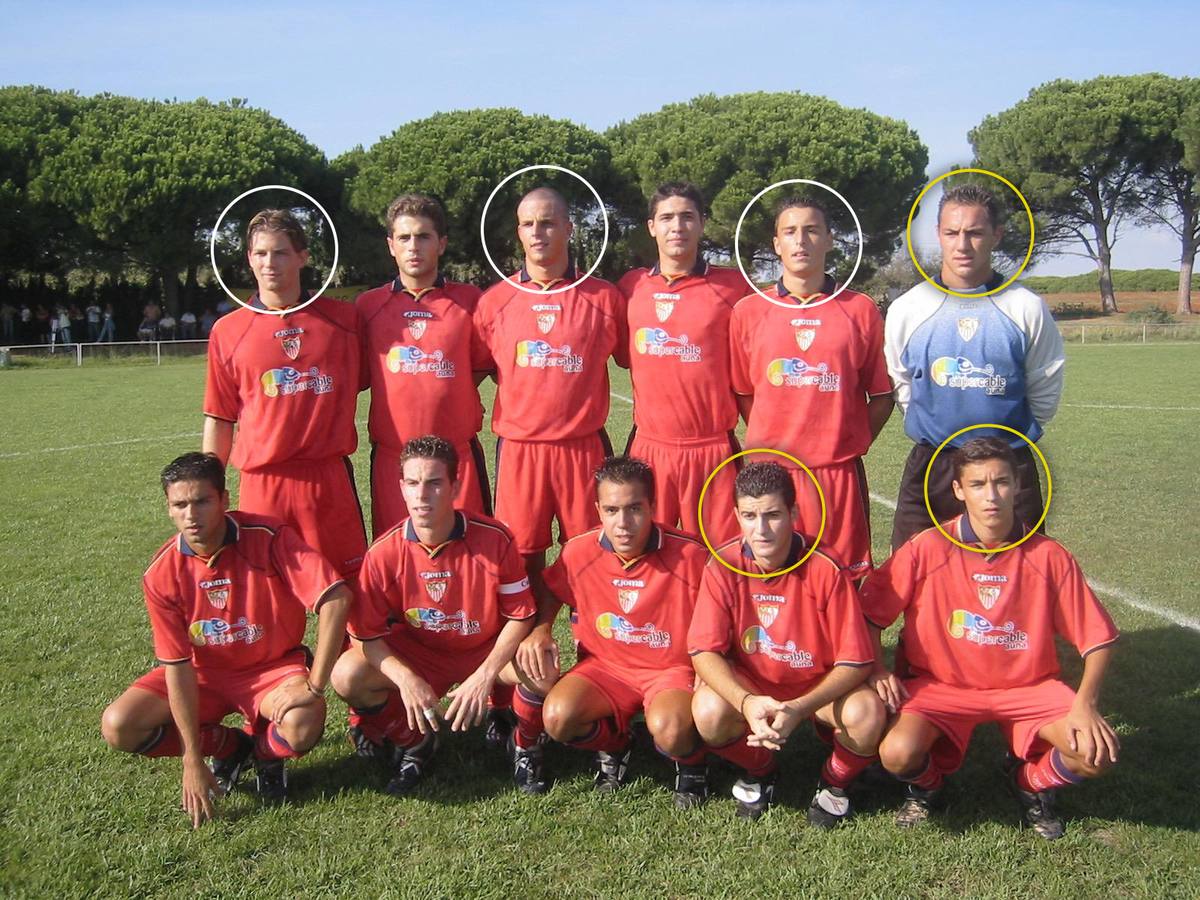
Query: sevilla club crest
[291, 346]
[218, 597]
[627, 599]
[437, 590]
[967, 327]
[767, 614]
[988, 595]
[663, 309]
[416, 328]
[545, 321]
[805, 337]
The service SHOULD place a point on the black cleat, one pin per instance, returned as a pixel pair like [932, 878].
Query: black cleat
[754, 795]
[691, 786]
[497, 727]
[611, 769]
[529, 764]
[830, 806]
[272, 780]
[1037, 807]
[917, 806]
[229, 769]
[409, 765]
[363, 746]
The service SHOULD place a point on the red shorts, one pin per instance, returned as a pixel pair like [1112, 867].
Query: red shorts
[442, 667]
[1021, 713]
[680, 470]
[629, 692]
[537, 481]
[225, 691]
[318, 499]
[388, 508]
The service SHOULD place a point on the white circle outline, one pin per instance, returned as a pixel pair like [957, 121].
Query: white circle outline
[483, 235]
[738, 233]
[212, 250]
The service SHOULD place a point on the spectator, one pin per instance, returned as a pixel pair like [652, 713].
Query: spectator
[42, 324]
[93, 321]
[78, 323]
[152, 312]
[8, 315]
[64, 325]
[55, 328]
[108, 331]
[207, 321]
[26, 325]
[166, 328]
[187, 326]
[224, 307]
[148, 330]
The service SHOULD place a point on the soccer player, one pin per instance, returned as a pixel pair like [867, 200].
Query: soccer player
[814, 383]
[683, 411]
[443, 600]
[227, 598]
[979, 632]
[289, 383]
[961, 361]
[421, 351]
[772, 652]
[631, 585]
[551, 359]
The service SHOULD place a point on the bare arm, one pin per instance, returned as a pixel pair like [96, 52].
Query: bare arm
[537, 655]
[468, 701]
[879, 410]
[890, 689]
[745, 402]
[198, 782]
[415, 691]
[1091, 736]
[331, 629]
[218, 438]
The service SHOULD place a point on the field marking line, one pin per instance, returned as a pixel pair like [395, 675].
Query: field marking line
[621, 397]
[1119, 406]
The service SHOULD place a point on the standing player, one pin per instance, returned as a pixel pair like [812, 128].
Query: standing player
[289, 383]
[978, 636]
[814, 383]
[443, 600]
[421, 351]
[227, 598]
[551, 358]
[960, 361]
[631, 585]
[772, 652]
[683, 411]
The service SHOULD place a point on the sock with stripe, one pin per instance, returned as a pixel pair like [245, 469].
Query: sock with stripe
[528, 709]
[1047, 773]
[501, 696]
[844, 765]
[217, 741]
[603, 737]
[929, 778]
[270, 744]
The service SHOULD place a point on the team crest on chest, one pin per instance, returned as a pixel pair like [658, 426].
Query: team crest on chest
[967, 326]
[416, 328]
[289, 339]
[767, 614]
[805, 337]
[627, 598]
[663, 309]
[547, 315]
[217, 592]
[988, 595]
[436, 584]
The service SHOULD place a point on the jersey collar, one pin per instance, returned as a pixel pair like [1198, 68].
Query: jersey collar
[967, 534]
[255, 303]
[567, 277]
[399, 288]
[799, 545]
[826, 289]
[653, 544]
[231, 537]
[994, 281]
[699, 270]
[457, 533]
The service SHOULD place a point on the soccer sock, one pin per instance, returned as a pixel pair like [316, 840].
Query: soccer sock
[929, 778]
[387, 721]
[270, 744]
[695, 758]
[215, 740]
[757, 761]
[357, 714]
[528, 707]
[501, 696]
[1048, 772]
[603, 737]
[844, 765]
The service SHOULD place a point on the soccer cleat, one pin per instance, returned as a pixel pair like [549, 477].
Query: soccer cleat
[754, 795]
[529, 765]
[497, 727]
[409, 765]
[364, 747]
[611, 769]
[830, 806]
[917, 806]
[229, 769]
[272, 780]
[1037, 807]
[691, 786]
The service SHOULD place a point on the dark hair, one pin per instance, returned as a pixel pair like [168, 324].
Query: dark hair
[762, 478]
[684, 189]
[431, 447]
[277, 220]
[627, 470]
[802, 201]
[981, 449]
[419, 205]
[195, 466]
[973, 195]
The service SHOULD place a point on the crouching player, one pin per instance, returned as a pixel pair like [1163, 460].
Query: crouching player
[631, 584]
[227, 599]
[443, 600]
[978, 636]
[774, 651]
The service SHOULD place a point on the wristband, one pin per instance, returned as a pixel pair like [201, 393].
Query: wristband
[312, 690]
[742, 705]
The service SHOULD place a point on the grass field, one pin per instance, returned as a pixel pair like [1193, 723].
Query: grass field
[79, 458]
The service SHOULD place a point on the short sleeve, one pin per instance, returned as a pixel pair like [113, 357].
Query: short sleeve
[369, 613]
[221, 400]
[516, 599]
[849, 640]
[305, 571]
[559, 583]
[1079, 615]
[620, 307]
[739, 356]
[889, 590]
[168, 626]
[875, 380]
[711, 630]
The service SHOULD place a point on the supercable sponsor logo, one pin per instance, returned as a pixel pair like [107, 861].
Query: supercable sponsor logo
[539, 354]
[286, 381]
[977, 629]
[613, 627]
[795, 372]
[657, 342]
[959, 372]
[404, 359]
[756, 640]
[218, 632]
[435, 620]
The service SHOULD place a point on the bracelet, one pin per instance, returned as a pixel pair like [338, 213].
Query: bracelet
[742, 705]
[312, 690]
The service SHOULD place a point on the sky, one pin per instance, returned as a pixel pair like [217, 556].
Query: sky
[348, 74]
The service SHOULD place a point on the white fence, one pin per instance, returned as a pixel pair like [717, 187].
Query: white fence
[117, 351]
[1127, 332]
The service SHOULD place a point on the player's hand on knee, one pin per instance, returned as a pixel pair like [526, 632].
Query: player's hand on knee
[537, 655]
[420, 704]
[293, 695]
[890, 689]
[759, 712]
[1091, 737]
[199, 789]
[468, 702]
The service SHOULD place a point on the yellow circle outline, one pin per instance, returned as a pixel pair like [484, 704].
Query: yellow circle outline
[1045, 508]
[913, 256]
[708, 543]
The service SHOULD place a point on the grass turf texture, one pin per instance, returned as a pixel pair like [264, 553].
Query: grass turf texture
[77, 819]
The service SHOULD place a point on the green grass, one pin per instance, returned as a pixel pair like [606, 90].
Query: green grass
[77, 819]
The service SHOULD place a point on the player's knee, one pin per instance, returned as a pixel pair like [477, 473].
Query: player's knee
[714, 718]
[302, 727]
[900, 755]
[348, 676]
[673, 732]
[863, 718]
[116, 729]
[1085, 768]
[560, 720]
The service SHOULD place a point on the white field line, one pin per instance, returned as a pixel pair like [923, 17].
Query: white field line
[1117, 406]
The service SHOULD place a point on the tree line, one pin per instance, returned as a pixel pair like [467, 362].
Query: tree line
[105, 189]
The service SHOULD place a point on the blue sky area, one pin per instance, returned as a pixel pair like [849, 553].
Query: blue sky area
[347, 74]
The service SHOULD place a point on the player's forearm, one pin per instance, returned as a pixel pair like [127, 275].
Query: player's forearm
[218, 438]
[183, 696]
[331, 631]
[715, 671]
[879, 410]
[1095, 664]
[840, 681]
[380, 655]
[877, 643]
[745, 403]
[505, 649]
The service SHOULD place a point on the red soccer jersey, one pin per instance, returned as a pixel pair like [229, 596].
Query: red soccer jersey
[810, 372]
[979, 621]
[290, 382]
[242, 607]
[420, 352]
[679, 350]
[632, 615]
[551, 356]
[455, 596]
[789, 630]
